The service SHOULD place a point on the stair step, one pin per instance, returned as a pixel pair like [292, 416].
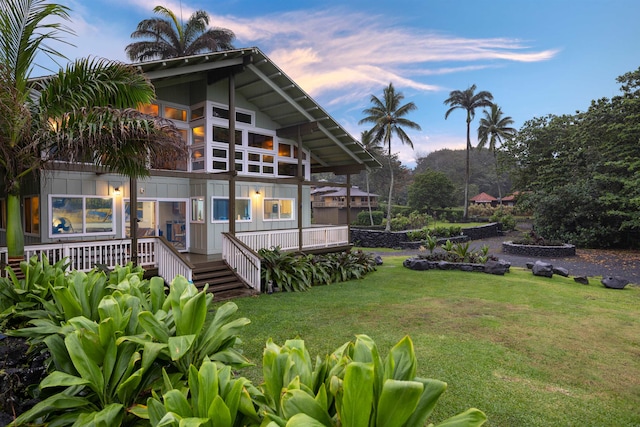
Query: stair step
[221, 279]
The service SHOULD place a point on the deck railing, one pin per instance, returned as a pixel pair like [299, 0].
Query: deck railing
[242, 259]
[287, 239]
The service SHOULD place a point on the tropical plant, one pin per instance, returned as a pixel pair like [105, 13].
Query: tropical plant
[388, 118]
[82, 113]
[285, 270]
[493, 128]
[213, 398]
[467, 100]
[431, 243]
[353, 386]
[172, 38]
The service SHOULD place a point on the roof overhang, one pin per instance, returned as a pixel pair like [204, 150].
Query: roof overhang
[264, 85]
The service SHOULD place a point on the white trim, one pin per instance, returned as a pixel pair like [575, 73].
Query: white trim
[83, 232]
[224, 221]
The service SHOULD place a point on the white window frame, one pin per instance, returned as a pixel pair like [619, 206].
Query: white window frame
[250, 210]
[84, 232]
[279, 200]
[197, 215]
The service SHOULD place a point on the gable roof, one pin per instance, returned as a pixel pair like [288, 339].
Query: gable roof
[267, 87]
[483, 198]
[340, 192]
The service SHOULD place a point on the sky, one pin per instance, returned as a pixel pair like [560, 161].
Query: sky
[536, 57]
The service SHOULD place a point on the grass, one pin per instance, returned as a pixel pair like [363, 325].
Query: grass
[528, 351]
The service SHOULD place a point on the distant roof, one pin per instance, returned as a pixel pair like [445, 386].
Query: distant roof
[483, 198]
[340, 192]
[272, 92]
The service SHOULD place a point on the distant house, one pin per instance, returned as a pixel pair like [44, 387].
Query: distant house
[329, 204]
[484, 199]
[509, 200]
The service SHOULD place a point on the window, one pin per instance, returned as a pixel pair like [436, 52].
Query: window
[223, 113]
[223, 135]
[91, 215]
[275, 209]
[197, 209]
[260, 141]
[150, 109]
[221, 209]
[32, 215]
[197, 158]
[175, 113]
[289, 169]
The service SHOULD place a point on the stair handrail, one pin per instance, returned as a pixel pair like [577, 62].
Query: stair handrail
[244, 261]
[171, 262]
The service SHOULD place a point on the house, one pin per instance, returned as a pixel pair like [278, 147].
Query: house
[329, 204]
[227, 105]
[484, 199]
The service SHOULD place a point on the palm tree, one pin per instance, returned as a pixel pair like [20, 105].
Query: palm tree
[387, 116]
[170, 38]
[374, 149]
[83, 113]
[493, 128]
[468, 100]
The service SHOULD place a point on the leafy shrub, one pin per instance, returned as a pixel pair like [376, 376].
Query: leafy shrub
[460, 252]
[292, 272]
[502, 216]
[532, 238]
[353, 386]
[418, 235]
[363, 218]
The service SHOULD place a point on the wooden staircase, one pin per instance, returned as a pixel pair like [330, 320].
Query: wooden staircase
[222, 280]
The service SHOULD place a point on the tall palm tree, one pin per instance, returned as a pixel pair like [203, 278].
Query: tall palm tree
[170, 38]
[374, 149]
[387, 116]
[493, 128]
[83, 113]
[468, 100]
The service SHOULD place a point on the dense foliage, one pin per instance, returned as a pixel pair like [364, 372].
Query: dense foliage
[429, 190]
[130, 351]
[581, 172]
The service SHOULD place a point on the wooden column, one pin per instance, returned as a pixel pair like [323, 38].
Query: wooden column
[232, 154]
[349, 206]
[133, 219]
[300, 180]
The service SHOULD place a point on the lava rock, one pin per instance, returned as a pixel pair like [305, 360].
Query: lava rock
[496, 267]
[529, 265]
[543, 269]
[614, 282]
[581, 279]
[561, 271]
[378, 260]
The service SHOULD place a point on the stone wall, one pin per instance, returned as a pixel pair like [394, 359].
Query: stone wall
[398, 239]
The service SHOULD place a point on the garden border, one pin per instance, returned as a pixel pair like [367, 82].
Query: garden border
[539, 250]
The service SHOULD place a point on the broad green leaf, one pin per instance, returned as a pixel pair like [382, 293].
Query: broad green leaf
[470, 418]
[179, 346]
[61, 379]
[206, 387]
[401, 363]
[151, 352]
[156, 411]
[70, 306]
[157, 329]
[156, 289]
[304, 420]
[194, 313]
[357, 401]
[397, 402]
[86, 367]
[57, 401]
[299, 402]
[140, 411]
[110, 416]
[219, 413]
[129, 387]
[174, 401]
[430, 395]
[193, 422]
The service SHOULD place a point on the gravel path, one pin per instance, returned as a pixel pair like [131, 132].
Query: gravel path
[587, 262]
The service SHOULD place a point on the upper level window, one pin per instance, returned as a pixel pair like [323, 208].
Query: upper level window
[221, 134]
[150, 109]
[241, 117]
[175, 113]
[260, 141]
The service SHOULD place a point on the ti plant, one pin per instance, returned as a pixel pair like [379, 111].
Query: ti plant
[351, 387]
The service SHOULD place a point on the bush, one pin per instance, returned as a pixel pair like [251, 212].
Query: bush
[507, 220]
[363, 218]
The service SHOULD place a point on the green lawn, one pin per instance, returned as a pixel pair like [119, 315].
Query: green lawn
[527, 351]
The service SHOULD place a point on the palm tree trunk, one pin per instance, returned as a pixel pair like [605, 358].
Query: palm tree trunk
[495, 158]
[467, 170]
[390, 200]
[15, 236]
[368, 197]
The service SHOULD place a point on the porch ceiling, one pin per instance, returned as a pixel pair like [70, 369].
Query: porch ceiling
[267, 87]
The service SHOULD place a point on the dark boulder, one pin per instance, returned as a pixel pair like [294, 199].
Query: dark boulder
[581, 279]
[543, 269]
[496, 267]
[614, 282]
[561, 271]
[378, 260]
